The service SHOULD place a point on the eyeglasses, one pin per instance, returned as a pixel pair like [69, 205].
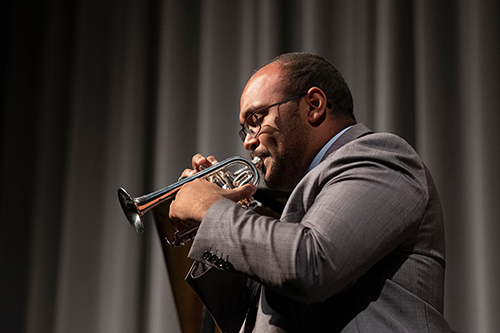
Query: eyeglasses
[252, 124]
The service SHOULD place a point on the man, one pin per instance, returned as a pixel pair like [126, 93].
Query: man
[359, 246]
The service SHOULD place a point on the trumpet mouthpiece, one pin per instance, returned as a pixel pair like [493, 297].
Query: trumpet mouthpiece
[257, 162]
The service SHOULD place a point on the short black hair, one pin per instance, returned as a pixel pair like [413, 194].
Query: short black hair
[305, 70]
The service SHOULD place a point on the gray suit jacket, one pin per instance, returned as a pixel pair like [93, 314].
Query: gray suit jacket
[359, 248]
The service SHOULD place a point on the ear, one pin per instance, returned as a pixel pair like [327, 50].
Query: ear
[316, 99]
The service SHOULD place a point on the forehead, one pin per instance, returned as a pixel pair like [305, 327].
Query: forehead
[262, 89]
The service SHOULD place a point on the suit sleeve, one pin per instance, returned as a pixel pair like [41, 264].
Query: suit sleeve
[363, 202]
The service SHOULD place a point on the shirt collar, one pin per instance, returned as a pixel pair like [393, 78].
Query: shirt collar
[325, 148]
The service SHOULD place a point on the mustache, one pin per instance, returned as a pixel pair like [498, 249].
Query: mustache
[260, 154]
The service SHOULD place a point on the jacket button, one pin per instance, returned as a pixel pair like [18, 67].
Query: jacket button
[207, 255]
[220, 262]
[227, 266]
[213, 259]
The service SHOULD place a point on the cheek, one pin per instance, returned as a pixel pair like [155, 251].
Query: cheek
[271, 146]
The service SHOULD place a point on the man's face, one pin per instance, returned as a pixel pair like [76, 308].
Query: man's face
[283, 137]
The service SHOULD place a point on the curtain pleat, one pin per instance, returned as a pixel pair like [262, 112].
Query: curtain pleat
[97, 95]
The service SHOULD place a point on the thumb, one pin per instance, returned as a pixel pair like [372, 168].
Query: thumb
[242, 192]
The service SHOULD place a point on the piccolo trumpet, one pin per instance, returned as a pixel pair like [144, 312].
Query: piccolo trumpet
[229, 174]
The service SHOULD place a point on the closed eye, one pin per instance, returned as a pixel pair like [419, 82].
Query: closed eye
[256, 117]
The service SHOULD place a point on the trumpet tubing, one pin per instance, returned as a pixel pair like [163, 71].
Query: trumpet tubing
[230, 173]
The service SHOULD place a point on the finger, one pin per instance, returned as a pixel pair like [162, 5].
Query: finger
[187, 173]
[197, 161]
[240, 193]
[249, 189]
[212, 160]
[170, 212]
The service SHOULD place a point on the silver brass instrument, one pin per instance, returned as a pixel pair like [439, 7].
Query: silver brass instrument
[230, 173]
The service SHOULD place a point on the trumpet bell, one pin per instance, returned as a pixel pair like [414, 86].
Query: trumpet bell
[131, 210]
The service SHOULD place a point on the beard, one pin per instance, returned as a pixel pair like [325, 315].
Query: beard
[286, 153]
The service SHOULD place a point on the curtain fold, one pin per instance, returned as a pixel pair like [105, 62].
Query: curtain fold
[97, 95]
[394, 105]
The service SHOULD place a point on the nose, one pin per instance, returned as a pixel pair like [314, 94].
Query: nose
[251, 143]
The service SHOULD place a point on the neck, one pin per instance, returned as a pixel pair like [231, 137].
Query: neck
[319, 136]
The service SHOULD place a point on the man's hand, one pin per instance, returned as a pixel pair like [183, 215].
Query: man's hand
[195, 198]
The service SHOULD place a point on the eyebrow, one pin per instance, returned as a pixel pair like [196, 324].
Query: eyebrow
[248, 111]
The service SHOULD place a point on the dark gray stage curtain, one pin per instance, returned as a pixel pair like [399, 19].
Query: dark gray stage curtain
[99, 94]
